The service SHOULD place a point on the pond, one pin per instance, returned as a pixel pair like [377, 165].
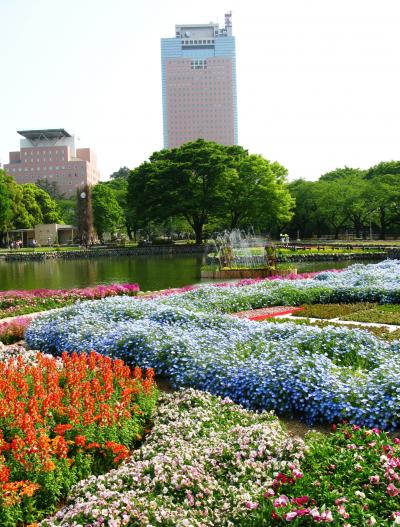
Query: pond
[151, 273]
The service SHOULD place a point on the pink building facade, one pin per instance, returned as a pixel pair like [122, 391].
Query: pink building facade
[199, 84]
[51, 155]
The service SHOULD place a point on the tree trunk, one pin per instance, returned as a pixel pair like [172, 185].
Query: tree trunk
[382, 216]
[198, 230]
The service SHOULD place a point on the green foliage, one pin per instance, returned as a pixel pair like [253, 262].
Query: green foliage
[120, 175]
[209, 184]
[348, 198]
[5, 202]
[257, 194]
[67, 209]
[108, 216]
[51, 187]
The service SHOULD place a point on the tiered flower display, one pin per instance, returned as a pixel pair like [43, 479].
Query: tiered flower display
[322, 374]
[62, 420]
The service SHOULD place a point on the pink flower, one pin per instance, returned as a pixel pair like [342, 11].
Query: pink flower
[290, 516]
[342, 512]
[282, 501]
[351, 446]
[339, 501]
[392, 490]
[374, 480]
[326, 516]
[297, 473]
[251, 505]
[269, 493]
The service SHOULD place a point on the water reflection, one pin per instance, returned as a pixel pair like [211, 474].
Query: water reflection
[157, 272]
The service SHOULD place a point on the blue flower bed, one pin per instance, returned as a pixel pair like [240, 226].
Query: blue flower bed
[321, 374]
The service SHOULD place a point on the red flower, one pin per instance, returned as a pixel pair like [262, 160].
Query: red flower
[80, 440]
[61, 429]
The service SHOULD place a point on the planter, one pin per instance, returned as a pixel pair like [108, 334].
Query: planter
[228, 274]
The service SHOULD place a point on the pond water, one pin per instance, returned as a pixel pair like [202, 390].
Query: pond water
[151, 273]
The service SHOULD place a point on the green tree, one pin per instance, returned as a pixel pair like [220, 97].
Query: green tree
[190, 181]
[5, 202]
[331, 201]
[384, 193]
[121, 174]
[119, 186]
[67, 209]
[48, 206]
[258, 194]
[108, 215]
[306, 219]
[358, 205]
[51, 187]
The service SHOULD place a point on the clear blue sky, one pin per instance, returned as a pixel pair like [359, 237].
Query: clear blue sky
[318, 80]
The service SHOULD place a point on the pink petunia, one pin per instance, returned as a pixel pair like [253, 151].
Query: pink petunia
[392, 490]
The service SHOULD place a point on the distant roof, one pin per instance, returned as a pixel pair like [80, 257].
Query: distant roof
[50, 133]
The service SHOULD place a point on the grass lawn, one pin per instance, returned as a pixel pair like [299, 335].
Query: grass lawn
[361, 312]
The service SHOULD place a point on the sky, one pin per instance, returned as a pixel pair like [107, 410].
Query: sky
[318, 80]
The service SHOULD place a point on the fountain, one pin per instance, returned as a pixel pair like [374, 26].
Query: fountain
[237, 254]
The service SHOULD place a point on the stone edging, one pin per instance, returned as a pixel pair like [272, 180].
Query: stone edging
[110, 251]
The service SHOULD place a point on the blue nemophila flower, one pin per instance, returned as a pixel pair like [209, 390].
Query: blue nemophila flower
[321, 374]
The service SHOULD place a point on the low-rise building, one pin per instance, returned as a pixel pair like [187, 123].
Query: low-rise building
[43, 235]
[51, 154]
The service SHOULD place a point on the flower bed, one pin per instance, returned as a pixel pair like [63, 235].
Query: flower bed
[350, 477]
[324, 374]
[62, 420]
[15, 303]
[321, 374]
[201, 466]
[13, 330]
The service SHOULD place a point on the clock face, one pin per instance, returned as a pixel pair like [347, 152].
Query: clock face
[83, 195]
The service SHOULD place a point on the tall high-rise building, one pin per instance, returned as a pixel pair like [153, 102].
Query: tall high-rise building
[51, 154]
[199, 84]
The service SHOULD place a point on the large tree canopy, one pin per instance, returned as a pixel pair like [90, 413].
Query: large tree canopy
[257, 194]
[202, 180]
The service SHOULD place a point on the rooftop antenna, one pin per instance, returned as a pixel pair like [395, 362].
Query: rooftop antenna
[228, 23]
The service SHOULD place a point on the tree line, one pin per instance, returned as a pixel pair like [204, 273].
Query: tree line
[203, 187]
[348, 199]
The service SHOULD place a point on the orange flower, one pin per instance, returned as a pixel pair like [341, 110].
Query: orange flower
[49, 465]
